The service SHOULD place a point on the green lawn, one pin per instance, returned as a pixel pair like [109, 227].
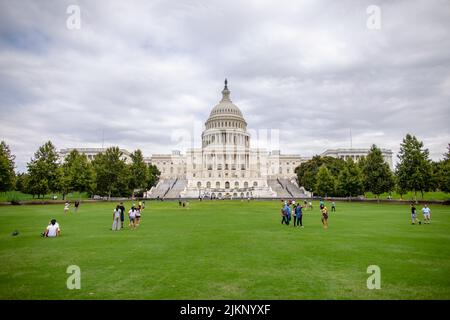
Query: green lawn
[19, 196]
[225, 250]
[432, 195]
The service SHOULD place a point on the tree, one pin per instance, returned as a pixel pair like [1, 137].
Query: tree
[350, 180]
[22, 182]
[414, 169]
[378, 177]
[44, 172]
[153, 176]
[77, 174]
[441, 172]
[7, 175]
[138, 171]
[111, 173]
[307, 171]
[325, 184]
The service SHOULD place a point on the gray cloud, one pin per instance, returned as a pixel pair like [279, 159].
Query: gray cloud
[139, 72]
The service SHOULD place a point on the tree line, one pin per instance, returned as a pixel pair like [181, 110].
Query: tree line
[329, 176]
[106, 175]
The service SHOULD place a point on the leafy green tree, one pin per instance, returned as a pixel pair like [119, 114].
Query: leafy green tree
[153, 176]
[350, 180]
[77, 174]
[138, 171]
[325, 184]
[441, 172]
[22, 182]
[413, 169]
[378, 177]
[111, 173]
[307, 171]
[7, 175]
[44, 172]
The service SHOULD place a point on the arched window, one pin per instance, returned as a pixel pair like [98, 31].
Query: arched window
[236, 184]
[199, 184]
[208, 184]
[245, 184]
[227, 185]
[217, 184]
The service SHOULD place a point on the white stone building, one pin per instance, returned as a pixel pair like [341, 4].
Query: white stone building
[356, 154]
[92, 152]
[226, 166]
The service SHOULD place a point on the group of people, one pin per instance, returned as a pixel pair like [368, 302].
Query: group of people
[75, 208]
[134, 216]
[297, 212]
[426, 211]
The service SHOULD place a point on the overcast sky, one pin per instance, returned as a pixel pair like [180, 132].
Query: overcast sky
[142, 74]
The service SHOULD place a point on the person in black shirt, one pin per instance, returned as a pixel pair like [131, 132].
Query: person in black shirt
[122, 216]
[77, 204]
[414, 214]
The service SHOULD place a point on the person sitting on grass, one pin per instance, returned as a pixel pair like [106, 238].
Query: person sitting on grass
[52, 230]
[325, 217]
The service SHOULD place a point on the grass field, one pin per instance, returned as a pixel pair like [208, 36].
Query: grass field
[432, 195]
[19, 196]
[225, 250]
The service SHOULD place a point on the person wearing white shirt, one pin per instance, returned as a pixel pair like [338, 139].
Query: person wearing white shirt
[52, 229]
[426, 214]
[132, 216]
[66, 207]
[116, 219]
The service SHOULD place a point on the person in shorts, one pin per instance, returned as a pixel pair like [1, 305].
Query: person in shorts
[138, 216]
[132, 216]
[66, 207]
[426, 214]
[414, 214]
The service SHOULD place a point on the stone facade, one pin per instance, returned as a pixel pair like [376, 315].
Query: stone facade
[356, 154]
[226, 165]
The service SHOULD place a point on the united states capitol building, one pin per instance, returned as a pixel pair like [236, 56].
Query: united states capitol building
[226, 166]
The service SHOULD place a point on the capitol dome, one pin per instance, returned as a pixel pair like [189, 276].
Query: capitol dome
[224, 111]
